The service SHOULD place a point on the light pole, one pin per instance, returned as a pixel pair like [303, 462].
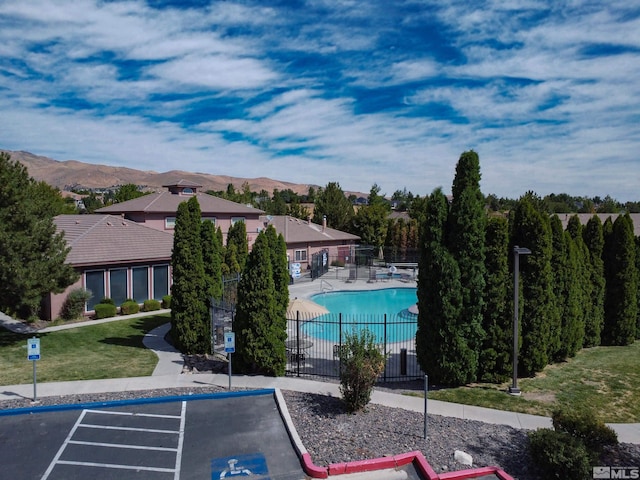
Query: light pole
[517, 251]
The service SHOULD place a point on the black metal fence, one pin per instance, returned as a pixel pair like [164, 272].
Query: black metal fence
[314, 344]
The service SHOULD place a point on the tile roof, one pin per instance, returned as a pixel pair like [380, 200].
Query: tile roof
[585, 217]
[166, 202]
[107, 239]
[295, 230]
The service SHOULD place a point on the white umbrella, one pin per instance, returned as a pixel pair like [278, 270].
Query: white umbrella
[306, 308]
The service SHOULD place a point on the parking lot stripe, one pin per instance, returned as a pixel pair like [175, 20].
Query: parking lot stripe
[63, 446]
[134, 414]
[130, 429]
[115, 466]
[125, 446]
[183, 418]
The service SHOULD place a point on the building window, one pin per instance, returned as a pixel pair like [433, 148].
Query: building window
[235, 220]
[140, 284]
[94, 282]
[118, 285]
[301, 256]
[160, 281]
[170, 223]
[187, 191]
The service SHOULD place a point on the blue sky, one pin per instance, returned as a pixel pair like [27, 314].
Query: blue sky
[358, 92]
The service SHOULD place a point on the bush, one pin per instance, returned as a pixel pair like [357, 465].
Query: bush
[105, 310]
[73, 306]
[129, 306]
[586, 427]
[361, 363]
[166, 301]
[337, 263]
[150, 305]
[108, 301]
[559, 455]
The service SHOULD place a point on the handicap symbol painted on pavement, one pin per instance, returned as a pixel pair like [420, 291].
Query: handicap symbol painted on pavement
[253, 465]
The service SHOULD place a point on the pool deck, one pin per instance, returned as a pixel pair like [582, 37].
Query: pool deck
[306, 289]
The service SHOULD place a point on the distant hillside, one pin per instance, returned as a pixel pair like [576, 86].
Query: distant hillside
[78, 174]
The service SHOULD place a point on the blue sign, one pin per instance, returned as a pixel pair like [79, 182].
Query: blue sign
[240, 466]
[33, 349]
[229, 342]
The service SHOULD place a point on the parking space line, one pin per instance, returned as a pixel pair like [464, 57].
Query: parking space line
[116, 445]
[79, 424]
[115, 466]
[129, 429]
[183, 417]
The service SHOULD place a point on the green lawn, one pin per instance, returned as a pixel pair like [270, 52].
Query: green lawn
[605, 379]
[108, 350]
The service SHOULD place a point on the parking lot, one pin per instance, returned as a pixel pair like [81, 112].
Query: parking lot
[199, 437]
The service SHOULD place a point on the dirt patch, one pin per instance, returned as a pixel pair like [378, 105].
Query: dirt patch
[543, 397]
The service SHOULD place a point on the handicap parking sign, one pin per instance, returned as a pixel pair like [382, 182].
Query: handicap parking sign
[252, 465]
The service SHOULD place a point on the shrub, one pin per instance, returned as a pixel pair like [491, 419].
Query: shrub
[559, 455]
[337, 263]
[361, 363]
[108, 301]
[73, 306]
[166, 301]
[150, 305]
[586, 427]
[105, 310]
[129, 306]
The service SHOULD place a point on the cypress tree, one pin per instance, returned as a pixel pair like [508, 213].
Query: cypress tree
[562, 271]
[190, 326]
[212, 260]
[260, 328]
[621, 302]
[237, 236]
[279, 268]
[442, 350]
[496, 354]
[531, 229]
[638, 284]
[465, 240]
[594, 240]
[581, 282]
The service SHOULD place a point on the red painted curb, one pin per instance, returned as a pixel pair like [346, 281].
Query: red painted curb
[313, 470]
[370, 465]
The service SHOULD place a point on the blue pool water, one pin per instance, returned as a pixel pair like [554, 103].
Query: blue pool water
[365, 309]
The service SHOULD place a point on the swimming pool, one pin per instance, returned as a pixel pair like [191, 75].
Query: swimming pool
[365, 309]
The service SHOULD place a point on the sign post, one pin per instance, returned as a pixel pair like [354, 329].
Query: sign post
[33, 354]
[229, 348]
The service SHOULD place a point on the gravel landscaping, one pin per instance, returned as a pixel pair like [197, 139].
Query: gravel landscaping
[331, 436]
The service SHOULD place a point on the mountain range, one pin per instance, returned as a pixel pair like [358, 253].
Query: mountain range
[79, 175]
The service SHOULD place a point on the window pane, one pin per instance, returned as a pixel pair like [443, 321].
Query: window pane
[140, 284]
[118, 286]
[160, 281]
[170, 222]
[94, 282]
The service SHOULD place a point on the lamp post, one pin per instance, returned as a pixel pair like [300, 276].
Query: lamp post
[517, 251]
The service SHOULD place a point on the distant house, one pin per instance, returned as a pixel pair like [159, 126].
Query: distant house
[585, 217]
[116, 258]
[158, 210]
[305, 239]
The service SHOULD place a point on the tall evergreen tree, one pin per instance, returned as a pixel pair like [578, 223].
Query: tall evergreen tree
[331, 203]
[594, 240]
[465, 240]
[562, 270]
[32, 255]
[279, 267]
[638, 285]
[237, 235]
[496, 354]
[212, 260]
[581, 283]
[531, 230]
[621, 302]
[441, 347]
[260, 328]
[190, 326]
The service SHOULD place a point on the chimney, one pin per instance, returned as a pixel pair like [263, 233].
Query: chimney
[324, 223]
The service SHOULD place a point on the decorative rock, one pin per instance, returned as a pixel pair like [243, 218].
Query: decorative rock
[463, 458]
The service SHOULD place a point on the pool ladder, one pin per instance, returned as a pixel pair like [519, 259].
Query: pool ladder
[322, 284]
